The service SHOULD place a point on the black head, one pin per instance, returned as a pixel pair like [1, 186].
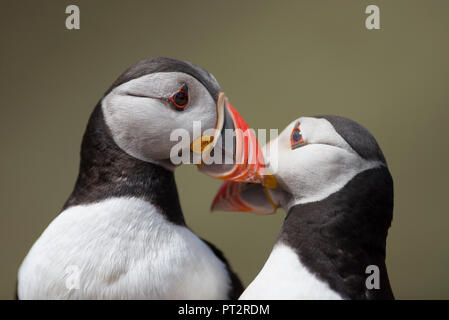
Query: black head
[357, 136]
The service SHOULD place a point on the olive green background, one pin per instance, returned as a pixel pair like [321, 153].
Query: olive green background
[276, 61]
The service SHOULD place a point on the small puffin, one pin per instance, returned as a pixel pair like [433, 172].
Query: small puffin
[121, 234]
[333, 181]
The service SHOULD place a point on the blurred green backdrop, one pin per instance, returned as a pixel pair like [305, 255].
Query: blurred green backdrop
[276, 61]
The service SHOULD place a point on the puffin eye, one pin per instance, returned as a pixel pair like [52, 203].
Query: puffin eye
[180, 99]
[296, 139]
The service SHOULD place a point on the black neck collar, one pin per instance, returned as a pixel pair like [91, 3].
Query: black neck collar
[107, 171]
[338, 237]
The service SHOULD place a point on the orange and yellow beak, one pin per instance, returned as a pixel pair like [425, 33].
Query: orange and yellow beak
[244, 197]
[232, 153]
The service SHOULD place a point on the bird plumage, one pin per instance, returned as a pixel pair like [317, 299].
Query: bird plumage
[337, 191]
[121, 234]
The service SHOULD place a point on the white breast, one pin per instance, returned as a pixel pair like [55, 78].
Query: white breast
[116, 249]
[285, 277]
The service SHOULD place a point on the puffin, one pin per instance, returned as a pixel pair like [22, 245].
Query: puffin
[121, 234]
[333, 182]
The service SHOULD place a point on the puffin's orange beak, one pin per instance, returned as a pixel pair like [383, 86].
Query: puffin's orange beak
[244, 197]
[234, 150]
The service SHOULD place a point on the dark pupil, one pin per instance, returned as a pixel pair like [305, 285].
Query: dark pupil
[180, 98]
[296, 136]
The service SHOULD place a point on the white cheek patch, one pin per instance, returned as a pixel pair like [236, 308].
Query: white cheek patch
[320, 168]
[323, 171]
[141, 125]
[321, 131]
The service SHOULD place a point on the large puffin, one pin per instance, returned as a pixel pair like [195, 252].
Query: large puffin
[334, 183]
[121, 234]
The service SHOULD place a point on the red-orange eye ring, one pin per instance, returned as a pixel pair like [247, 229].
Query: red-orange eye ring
[296, 138]
[180, 99]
